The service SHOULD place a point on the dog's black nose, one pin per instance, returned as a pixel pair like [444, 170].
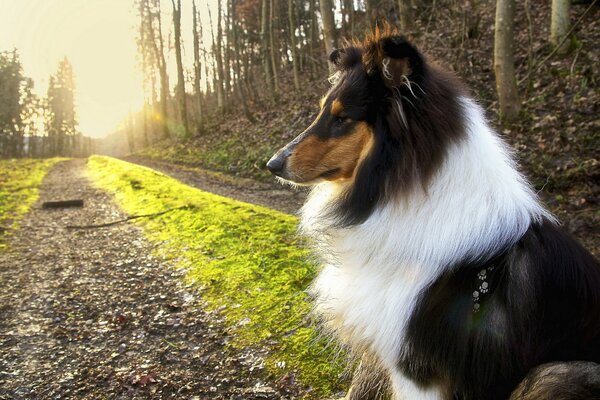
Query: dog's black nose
[275, 164]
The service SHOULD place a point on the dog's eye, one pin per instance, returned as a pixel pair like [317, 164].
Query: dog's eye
[340, 120]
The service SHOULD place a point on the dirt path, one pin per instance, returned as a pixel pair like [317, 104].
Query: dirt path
[92, 314]
[272, 195]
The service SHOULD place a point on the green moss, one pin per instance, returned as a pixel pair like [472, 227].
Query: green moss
[246, 259]
[19, 183]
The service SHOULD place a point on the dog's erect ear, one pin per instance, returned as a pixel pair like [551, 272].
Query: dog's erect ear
[335, 57]
[397, 60]
[401, 61]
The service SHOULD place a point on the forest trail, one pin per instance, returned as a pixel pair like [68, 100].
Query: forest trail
[93, 314]
[269, 194]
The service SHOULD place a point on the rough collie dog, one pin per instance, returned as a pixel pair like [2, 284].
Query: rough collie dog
[439, 263]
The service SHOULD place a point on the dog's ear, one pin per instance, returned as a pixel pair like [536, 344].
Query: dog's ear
[335, 57]
[401, 60]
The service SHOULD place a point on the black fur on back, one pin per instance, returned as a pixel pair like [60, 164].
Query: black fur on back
[575, 380]
[543, 306]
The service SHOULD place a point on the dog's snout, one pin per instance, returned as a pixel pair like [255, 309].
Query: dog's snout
[276, 164]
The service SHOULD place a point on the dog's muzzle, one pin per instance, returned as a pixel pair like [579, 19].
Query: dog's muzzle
[277, 163]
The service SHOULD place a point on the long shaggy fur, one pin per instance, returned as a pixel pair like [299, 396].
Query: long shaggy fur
[439, 262]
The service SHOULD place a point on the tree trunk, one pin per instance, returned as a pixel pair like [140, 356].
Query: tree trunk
[292, 17]
[216, 49]
[145, 126]
[129, 132]
[504, 68]
[180, 77]
[197, 64]
[373, 10]
[238, 67]
[164, 77]
[272, 48]
[349, 11]
[405, 11]
[219, 57]
[560, 24]
[329, 34]
[313, 38]
[227, 51]
[264, 40]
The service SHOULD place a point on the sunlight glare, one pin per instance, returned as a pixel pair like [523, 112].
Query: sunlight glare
[97, 36]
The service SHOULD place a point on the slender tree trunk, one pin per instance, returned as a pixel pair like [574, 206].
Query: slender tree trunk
[349, 10]
[272, 48]
[180, 77]
[209, 89]
[373, 8]
[129, 133]
[264, 39]
[292, 18]
[197, 64]
[504, 67]
[313, 37]
[145, 126]
[329, 33]
[560, 24]
[164, 77]
[238, 68]
[227, 51]
[405, 11]
[217, 56]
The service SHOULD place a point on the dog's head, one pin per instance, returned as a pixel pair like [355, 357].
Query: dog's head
[342, 134]
[378, 129]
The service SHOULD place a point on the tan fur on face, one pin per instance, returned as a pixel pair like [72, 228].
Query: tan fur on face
[314, 157]
[336, 107]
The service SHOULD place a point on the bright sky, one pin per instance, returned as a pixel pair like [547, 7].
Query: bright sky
[98, 37]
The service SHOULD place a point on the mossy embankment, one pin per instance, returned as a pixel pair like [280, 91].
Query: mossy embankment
[19, 183]
[246, 260]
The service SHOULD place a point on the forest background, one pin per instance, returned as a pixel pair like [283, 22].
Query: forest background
[227, 82]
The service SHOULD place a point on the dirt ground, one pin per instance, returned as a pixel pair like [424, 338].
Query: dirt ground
[90, 313]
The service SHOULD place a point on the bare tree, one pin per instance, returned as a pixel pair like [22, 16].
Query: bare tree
[506, 83]
[560, 24]
[197, 34]
[238, 68]
[217, 57]
[349, 16]
[180, 77]
[272, 49]
[329, 33]
[405, 11]
[293, 45]
[159, 49]
[265, 47]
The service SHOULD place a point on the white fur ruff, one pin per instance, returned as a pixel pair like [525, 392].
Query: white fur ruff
[374, 272]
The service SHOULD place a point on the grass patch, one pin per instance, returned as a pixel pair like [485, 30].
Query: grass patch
[19, 183]
[245, 258]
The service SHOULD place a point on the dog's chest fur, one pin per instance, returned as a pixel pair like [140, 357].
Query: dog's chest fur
[368, 309]
[374, 273]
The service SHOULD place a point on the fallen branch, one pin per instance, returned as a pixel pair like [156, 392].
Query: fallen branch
[106, 224]
[63, 203]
